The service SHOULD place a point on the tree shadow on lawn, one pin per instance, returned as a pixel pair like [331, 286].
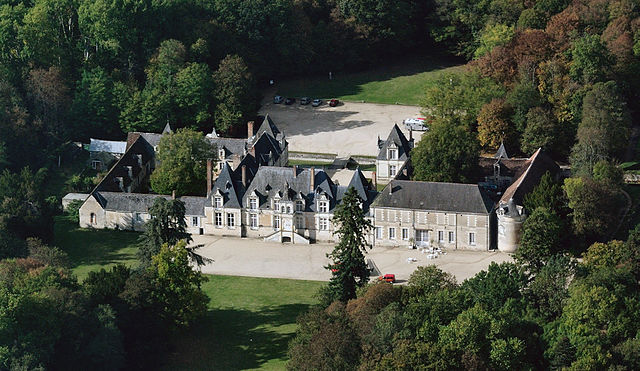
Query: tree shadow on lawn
[236, 339]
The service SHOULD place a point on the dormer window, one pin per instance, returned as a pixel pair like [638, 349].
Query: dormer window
[323, 206]
[299, 206]
[253, 203]
[276, 205]
[392, 153]
[218, 202]
[221, 154]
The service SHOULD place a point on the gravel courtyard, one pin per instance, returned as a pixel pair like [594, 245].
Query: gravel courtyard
[251, 257]
[348, 129]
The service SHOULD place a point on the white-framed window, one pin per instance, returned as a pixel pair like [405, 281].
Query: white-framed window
[299, 205]
[472, 238]
[253, 203]
[218, 219]
[323, 206]
[95, 164]
[218, 202]
[452, 237]
[378, 232]
[231, 220]
[221, 154]
[276, 221]
[194, 221]
[323, 224]
[288, 209]
[392, 170]
[253, 220]
[299, 221]
[276, 205]
[392, 233]
[405, 234]
[440, 236]
[393, 153]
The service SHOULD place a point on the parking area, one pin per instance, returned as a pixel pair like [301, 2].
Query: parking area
[250, 257]
[348, 129]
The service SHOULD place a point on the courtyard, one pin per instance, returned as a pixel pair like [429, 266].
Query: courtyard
[256, 258]
[348, 129]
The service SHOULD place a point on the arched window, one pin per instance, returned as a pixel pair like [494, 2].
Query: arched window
[93, 218]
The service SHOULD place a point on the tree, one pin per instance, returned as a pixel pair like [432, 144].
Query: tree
[494, 127]
[182, 160]
[491, 36]
[349, 269]
[448, 152]
[492, 288]
[591, 60]
[604, 130]
[427, 280]
[541, 237]
[541, 132]
[547, 194]
[549, 288]
[235, 93]
[177, 286]
[599, 255]
[194, 95]
[166, 226]
[93, 109]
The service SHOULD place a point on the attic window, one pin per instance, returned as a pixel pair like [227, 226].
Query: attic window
[221, 153]
[228, 185]
[218, 202]
[392, 154]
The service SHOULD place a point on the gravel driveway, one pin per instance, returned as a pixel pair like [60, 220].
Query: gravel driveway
[255, 258]
[348, 129]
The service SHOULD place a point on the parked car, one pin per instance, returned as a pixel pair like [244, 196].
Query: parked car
[334, 102]
[305, 100]
[278, 99]
[316, 102]
[415, 124]
[289, 101]
[391, 278]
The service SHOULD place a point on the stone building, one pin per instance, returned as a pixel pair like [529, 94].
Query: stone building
[449, 215]
[393, 155]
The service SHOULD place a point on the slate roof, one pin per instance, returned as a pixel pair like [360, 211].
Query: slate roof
[270, 181]
[435, 196]
[267, 150]
[110, 146]
[228, 186]
[502, 152]
[529, 177]
[397, 137]
[232, 146]
[130, 158]
[140, 202]
[268, 127]
[362, 187]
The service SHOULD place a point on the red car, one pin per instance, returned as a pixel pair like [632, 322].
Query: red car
[391, 278]
[333, 102]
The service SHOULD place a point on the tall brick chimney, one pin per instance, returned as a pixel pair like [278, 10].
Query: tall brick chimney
[244, 176]
[295, 171]
[374, 180]
[250, 129]
[209, 175]
[312, 179]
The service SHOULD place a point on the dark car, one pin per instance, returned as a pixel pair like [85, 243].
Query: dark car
[278, 99]
[305, 100]
[334, 102]
[316, 102]
[289, 101]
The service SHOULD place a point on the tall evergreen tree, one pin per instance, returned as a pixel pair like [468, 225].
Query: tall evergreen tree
[349, 268]
[166, 226]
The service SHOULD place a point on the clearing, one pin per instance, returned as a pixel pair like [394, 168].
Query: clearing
[402, 83]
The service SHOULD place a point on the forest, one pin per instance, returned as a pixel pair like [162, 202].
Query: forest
[555, 74]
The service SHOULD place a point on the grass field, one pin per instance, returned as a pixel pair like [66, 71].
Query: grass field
[403, 83]
[94, 249]
[249, 324]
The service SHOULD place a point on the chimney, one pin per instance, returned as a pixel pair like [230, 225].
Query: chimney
[390, 185]
[295, 171]
[312, 179]
[173, 194]
[250, 129]
[374, 180]
[209, 175]
[410, 135]
[244, 175]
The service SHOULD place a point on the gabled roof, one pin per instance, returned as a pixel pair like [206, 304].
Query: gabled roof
[529, 177]
[268, 127]
[110, 146]
[232, 146]
[396, 138]
[502, 152]
[228, 187]
[361, 184]
[140, 147]
[266, 149]
[434, 196]
[141, 202]
[167, 129]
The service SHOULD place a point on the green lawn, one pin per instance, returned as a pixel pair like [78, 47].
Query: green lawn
[90, 249]
[403, 83]
[249, 324]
